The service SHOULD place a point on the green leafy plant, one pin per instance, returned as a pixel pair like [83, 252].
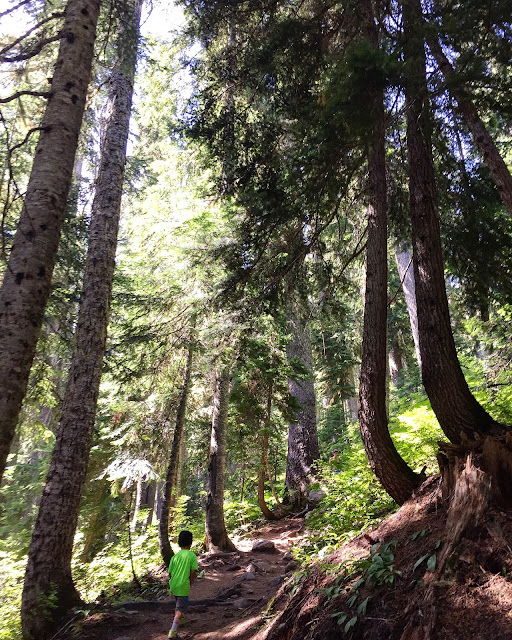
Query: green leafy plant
[430, 557]
[376, 569]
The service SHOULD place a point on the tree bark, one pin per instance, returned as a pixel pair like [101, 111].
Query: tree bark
[216, 535]
[49, 564]
[303, 447]
[391, 470]
[455, 407]
[173, 467]
[483, 140]
[27, 279]
[396, 362]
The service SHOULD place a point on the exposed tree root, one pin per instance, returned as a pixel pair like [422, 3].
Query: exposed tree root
[471, 497]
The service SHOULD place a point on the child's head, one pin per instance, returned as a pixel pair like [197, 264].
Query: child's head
[185, 539]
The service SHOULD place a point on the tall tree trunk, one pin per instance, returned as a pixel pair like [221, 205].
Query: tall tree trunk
[302, 431]
[455, 407]
[49, 563]
[216, 535]
[483, 139]
[350, 404]
[27, 279]
[173, 467]
[387, 464]
[406, 273]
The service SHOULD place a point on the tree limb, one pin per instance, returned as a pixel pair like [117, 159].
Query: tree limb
[12, 9]
[7, 48]
[31, 53]
[18, 94]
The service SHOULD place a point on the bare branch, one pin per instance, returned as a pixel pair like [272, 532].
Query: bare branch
[21, 4]
[53, 16]
[393, 297]
[26, 55]
[18, 94]
[25, 139]
[11, 183]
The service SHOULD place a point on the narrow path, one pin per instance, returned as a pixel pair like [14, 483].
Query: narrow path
[226, 604]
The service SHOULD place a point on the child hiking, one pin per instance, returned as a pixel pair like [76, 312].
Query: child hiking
[183, 567]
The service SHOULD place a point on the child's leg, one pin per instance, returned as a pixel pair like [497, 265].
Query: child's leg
[181, 607]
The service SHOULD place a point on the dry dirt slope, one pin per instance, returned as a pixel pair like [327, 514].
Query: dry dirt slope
[448, 588]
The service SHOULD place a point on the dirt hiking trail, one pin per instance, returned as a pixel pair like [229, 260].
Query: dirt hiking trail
[226, 604]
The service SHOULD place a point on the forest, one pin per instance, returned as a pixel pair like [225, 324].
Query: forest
[256, 270]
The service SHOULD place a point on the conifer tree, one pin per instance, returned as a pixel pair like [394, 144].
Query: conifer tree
[387, 464]
[27, 279]
[171, 479]
[302, 430]
[455, 407]
[217, 538]
[48, 571]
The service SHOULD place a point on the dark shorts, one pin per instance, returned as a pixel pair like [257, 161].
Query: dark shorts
[181, 603]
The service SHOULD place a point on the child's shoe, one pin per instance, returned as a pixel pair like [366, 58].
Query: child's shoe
[173, 634]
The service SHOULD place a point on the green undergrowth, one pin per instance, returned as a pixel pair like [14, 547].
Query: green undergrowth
[107, 577]
[354, 499]
[110, 576]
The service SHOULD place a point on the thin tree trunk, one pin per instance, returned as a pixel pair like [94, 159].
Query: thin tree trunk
[159, 497]
[150, 500]
[136, 508]
[455, 407]
[350, 404]
[396, 362]
[483, 140]
[268, 418]
[173, 467]
[303, 447]
[216, 535]
[387, 464]
[49, 564]
[27, 279]
[406, 273]
[179, 474]
[242, 486]
[263, 468]
[268, 513]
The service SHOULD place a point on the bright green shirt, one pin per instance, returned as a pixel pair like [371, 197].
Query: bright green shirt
[180, 567]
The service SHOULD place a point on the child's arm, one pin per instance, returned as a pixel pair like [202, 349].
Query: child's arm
[192, 575]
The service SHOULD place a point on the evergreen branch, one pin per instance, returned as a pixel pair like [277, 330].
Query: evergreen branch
[7, 48]
[18, 94]
[357, 252]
